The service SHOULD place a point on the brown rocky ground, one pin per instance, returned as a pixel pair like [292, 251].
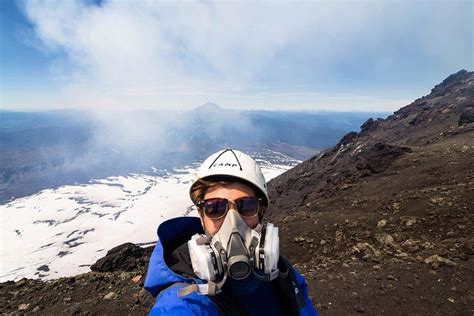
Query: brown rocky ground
[382, 223]
[115, 287]
[399, 243]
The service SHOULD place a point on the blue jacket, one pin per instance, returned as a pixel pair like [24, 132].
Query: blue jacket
[160, 277]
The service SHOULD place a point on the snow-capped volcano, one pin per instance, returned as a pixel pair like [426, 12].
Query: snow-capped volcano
[61, 232]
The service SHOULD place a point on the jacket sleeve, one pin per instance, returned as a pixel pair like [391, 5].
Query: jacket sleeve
[169, 303]
[309, 309]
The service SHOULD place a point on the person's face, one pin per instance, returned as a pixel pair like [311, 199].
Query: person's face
[231, 191]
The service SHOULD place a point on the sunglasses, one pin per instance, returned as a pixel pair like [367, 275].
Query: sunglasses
[217, 208]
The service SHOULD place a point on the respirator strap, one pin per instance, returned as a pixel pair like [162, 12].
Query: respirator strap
[188, 290]
[203, 240]
[270, 276]
[252, 247]
[282, 275]
[222, 255]
[261, 251]
[209, 288]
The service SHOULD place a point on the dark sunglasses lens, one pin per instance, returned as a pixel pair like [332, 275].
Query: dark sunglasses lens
[247, 206]
[215, 208]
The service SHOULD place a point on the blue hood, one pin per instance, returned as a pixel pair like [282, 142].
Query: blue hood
[171, 234]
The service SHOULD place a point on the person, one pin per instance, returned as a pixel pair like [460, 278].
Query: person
[227, 261]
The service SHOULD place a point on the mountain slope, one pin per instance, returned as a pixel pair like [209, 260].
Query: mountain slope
[384, 220]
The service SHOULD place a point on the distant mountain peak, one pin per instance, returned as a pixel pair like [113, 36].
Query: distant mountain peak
[209, 106]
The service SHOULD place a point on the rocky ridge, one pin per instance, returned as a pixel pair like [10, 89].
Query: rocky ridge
[381, 223]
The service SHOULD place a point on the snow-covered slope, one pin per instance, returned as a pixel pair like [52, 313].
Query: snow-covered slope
[61, 232]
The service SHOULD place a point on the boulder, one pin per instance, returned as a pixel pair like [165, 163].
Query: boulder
[125, 257]
[466, 117]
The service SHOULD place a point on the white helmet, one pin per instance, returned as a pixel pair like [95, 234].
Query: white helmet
[236, 164]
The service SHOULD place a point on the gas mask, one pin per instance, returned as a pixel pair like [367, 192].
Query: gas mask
[235, 251]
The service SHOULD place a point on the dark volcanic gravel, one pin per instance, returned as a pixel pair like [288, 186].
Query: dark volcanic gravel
[383, 222]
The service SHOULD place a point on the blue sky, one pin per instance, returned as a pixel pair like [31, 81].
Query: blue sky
[117, 54]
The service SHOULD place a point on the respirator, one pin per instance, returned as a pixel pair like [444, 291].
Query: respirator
[235, 251]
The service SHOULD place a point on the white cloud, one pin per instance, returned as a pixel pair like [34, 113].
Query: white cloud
[167, 54]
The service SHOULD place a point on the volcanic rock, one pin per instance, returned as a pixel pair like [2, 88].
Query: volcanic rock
[125, 257]
[467, 116]
[398, 191]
